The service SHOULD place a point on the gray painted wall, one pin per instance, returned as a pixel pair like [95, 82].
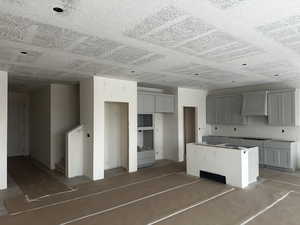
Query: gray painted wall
[40, 125]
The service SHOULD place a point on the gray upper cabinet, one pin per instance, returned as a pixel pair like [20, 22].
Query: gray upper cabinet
[282, 108]
[164, 103]
[224, 110]
[228, 110]
[255, 104]
[146, 103]
[211, 117]
[235, 103]
[152, 103]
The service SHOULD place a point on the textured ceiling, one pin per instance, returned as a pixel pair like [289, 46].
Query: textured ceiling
[207, 44]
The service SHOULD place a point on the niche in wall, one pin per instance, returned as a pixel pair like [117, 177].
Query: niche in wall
[116, 135]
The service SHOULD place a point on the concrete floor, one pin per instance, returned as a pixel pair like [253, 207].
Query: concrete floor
[165, 195]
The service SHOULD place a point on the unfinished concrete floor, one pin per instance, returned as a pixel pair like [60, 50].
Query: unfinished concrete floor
[165, 195]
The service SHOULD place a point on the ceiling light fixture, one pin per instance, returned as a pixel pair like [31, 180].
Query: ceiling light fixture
[58, 9]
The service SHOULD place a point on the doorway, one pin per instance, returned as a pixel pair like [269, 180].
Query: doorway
[18, 124]
[116, 138]
[189, 126]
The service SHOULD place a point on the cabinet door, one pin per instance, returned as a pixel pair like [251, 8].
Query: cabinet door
[146, 103]
[284, 158]
[140, 104]
[281, 108]
[261, 156]
[274, 108]
[223, 110]
[236, 109]
[272, 157]
[211, 110]
[288, 110]
[164, 103]
[228, 110]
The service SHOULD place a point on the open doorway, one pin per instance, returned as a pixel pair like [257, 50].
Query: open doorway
[116, 138]
[189, 126]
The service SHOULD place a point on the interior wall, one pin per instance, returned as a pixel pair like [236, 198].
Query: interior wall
[113, 90]
[3, 129]
[116, 135]
[191, 98]
[40, 125]
[87, 120]
[64, 117]
[158, 120]
[93, 95]
[18, 124]
[170, 141]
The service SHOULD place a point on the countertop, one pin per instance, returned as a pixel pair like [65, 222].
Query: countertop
[252, 138]
[228, 146]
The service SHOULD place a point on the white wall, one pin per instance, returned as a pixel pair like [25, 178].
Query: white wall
[159, 131]
[40, 125]
[64, 117]
[113, 90]
[170, 143]
[191, 98]
[3, 129]
[94, 93]
[116, 135]
[18, 124]
[87, 120]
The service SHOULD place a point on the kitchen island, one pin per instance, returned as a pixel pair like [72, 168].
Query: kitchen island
[238, 165]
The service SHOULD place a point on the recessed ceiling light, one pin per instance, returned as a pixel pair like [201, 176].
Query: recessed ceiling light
[24, 53]
[58, 9]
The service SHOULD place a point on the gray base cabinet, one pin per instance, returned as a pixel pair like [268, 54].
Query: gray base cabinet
[282, 154]
[145, 158]
[272, 153]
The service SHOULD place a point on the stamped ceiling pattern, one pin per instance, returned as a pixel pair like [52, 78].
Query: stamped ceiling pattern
[206, 44]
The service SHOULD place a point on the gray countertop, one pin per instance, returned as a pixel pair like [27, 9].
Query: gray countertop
[253, 138]
[228, 146]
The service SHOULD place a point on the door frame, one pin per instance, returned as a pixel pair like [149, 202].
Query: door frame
[195, 127]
